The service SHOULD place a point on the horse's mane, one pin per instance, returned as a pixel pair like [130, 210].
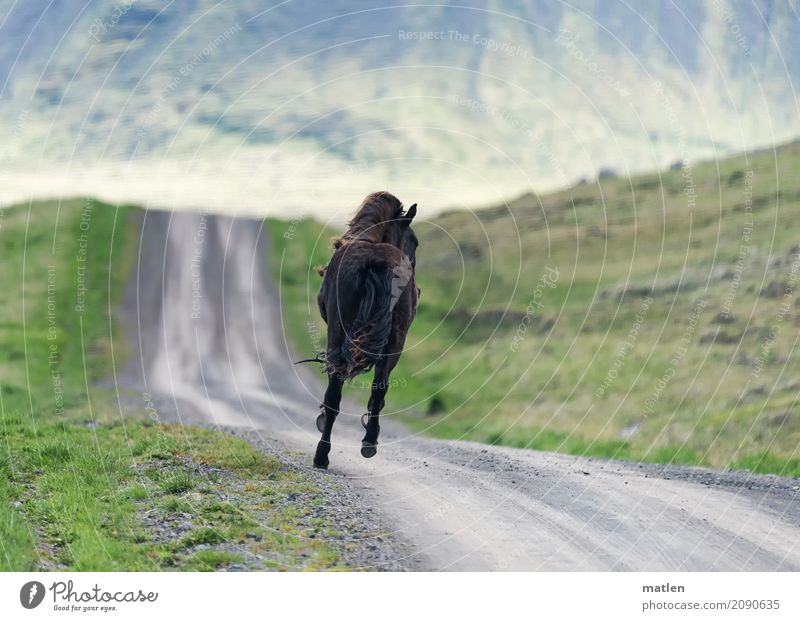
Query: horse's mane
[377, 211]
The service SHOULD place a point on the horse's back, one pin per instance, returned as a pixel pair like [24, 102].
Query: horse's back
[344, 277]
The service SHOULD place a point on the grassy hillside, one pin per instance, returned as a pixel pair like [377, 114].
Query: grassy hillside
[653, 318]
[82, 488]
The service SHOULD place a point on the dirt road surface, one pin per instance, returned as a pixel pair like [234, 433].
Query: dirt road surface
[204, 322]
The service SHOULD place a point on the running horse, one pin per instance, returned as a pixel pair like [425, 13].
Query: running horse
[368, 300]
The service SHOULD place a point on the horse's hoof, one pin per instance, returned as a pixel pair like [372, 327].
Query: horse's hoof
[321, 422]
[321, 455]
[321, 461]
[369, 450]
[364, 420]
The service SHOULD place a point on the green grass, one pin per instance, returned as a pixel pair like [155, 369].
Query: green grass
[208, 560]
[82, 488]
[584, 373]
[177, 483]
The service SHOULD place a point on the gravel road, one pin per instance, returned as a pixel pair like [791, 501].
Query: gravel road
[204, 323]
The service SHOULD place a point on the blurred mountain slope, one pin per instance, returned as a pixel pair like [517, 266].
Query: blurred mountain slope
[307, 105]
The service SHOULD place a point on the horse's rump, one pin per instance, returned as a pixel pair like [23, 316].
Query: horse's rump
[361, 287]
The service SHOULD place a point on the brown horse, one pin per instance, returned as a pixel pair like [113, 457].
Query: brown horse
[368, 299]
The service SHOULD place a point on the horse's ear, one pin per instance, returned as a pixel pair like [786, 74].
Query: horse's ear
[409, 215]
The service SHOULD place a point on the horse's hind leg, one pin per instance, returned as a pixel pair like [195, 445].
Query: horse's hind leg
[380, 385]
[333, 397]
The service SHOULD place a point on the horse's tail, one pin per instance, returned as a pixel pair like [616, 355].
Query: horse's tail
[369, 333]
[370, 329]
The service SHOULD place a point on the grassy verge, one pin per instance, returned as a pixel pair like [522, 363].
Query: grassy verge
[82, 488]
[653, 318]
